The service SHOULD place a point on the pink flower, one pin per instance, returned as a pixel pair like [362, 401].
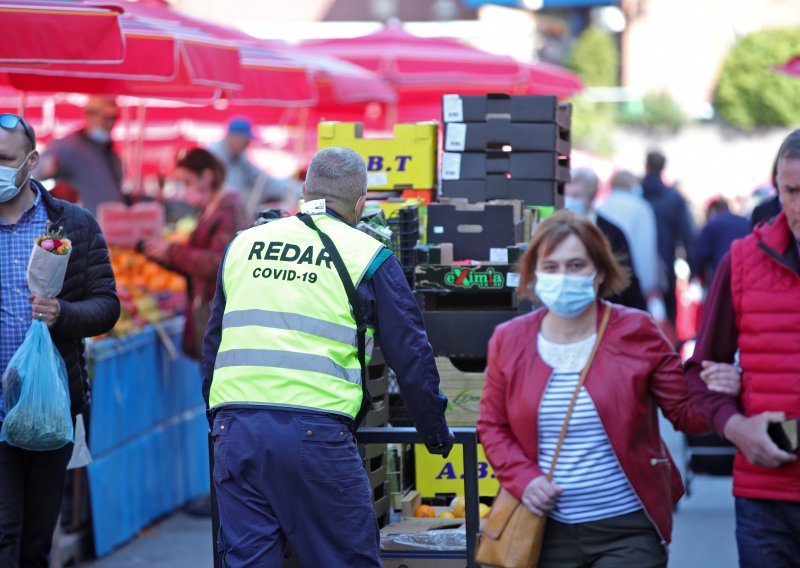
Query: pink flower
[48, 244]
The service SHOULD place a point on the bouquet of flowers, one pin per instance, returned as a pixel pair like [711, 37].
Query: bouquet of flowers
[48, 263]
[35, 387]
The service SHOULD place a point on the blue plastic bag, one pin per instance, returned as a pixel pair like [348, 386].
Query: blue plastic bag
[36, 395]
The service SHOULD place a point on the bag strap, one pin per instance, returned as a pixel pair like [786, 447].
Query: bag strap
[581, 379]
[361, 326]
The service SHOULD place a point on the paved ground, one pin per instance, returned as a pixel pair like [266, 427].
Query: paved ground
[180, 541]
[703, 536]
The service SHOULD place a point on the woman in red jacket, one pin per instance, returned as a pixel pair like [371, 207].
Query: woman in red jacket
[611, 499]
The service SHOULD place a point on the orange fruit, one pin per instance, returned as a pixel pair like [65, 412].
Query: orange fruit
[424, 511]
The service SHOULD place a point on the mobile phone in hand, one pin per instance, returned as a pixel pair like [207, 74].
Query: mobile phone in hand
[784, 434]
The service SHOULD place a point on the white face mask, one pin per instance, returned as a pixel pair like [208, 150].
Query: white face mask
[8, 178]
[565, 294]
[100, 135]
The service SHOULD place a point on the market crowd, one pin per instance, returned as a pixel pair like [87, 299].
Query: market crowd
[568, 416]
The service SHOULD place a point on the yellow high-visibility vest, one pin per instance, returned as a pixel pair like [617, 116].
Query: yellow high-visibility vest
[288, 332]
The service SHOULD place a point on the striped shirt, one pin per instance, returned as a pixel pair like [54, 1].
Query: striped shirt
[16, 244]
[594, 485]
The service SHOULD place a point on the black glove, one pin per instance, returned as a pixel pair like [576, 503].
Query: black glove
[444, 448]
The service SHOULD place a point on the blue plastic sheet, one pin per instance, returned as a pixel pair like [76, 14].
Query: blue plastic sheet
[148, 435]
[36, 395]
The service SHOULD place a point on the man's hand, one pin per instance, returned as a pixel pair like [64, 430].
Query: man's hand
[444, 448]
[721, 377]
[540, 495]
[750, 436]
[45, 309]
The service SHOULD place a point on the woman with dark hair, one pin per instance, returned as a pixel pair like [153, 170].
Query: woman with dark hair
[202, 177]
[614, 486]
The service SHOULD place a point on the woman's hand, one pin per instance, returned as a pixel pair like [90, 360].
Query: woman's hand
[721, 377]
[540, 495]
[157, 249]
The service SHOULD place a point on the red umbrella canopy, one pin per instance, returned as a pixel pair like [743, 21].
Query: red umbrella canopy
[165, 57]
[45, 31]
[272, 72]
[422, 68]
[791, 67]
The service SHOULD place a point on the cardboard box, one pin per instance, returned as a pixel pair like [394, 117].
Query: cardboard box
[517, 108]
[495, 134]
[463, 391]
[396, 554]
[515, 165]
[407, 161]
[464, 333]
[492, 187]
[474, 229]
[481, 278]
[435, 254]
[443, 477]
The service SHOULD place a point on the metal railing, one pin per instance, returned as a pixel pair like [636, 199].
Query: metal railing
[465, 437]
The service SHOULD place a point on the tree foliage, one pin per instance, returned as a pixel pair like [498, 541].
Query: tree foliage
[750, 93]
[595, 58]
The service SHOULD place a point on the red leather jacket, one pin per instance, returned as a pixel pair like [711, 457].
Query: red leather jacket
[635, 370]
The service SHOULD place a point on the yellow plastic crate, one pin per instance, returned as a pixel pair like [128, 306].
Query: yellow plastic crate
[407, 161]
[435, 475]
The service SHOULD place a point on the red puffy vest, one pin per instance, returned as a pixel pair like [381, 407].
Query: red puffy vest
[766, 299]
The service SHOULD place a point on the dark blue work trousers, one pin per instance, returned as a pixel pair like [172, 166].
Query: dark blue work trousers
[283, 476]
[767, 533]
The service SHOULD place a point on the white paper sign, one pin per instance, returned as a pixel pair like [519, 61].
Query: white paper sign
[438, 230]
[456, 137]
[315, 207]
[498, 255]
[512, 279]
[451, 165]
[453, 108]
[377, 178]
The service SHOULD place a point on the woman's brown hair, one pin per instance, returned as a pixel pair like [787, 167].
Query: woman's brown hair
[197, 160]
[551, 232]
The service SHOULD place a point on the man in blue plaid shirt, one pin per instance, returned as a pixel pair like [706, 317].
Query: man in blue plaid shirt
[32, 484]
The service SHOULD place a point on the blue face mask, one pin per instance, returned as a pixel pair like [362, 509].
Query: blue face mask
[565, 294]
[8, 178]
[575, 205]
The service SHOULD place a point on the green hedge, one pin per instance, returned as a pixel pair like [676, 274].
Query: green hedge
[749, 92]
[594, 58]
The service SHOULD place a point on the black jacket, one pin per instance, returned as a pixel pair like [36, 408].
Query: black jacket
[765, 211]
[632, 295]
[89, 303]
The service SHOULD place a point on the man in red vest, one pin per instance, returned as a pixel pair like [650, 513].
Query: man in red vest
[754, 308]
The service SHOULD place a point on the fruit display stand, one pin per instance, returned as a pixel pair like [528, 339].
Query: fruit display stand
[146, 432]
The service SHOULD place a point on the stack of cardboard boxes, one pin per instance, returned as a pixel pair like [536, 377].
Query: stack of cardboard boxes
[501, 146]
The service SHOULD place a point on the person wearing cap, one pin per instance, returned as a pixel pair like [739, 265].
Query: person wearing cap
[243, 177]
[87, 159]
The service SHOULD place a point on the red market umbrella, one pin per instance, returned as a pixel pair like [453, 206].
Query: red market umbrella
[165, 57]
[273, 73]
[423, 69]
[45, 31]
[791, 67]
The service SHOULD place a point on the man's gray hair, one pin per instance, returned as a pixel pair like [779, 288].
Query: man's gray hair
[624, 180]
[338, 175]
[587, 180]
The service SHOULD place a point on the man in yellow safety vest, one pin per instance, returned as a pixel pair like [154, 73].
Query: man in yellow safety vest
[298, 306]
